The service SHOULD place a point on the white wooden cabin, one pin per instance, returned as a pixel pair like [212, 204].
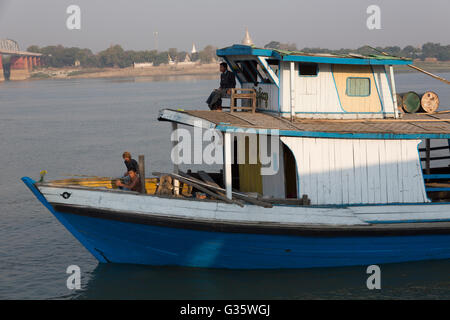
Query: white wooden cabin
[316, 85]
[336, 163]
[325, 151]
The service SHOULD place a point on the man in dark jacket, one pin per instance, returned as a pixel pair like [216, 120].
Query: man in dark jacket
[130, 163]
[227, 82]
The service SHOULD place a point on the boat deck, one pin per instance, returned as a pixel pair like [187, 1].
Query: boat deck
[408, 124]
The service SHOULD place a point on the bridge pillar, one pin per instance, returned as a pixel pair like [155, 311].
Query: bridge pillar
[30, 63]
[2, 77]
[19, 68]
[34, 61]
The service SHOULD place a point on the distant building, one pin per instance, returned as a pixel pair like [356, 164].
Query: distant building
[142, 65]
[170, 61]
[187, 61]
[431, 59]
[194, 53]
[77, 63]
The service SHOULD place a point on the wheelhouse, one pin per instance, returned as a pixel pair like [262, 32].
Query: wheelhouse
[316, 85]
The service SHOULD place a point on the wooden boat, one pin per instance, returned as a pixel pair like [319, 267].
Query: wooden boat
[348, 186]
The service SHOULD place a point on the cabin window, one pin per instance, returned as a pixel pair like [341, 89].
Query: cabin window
[308, 69]
[358, 87]
[253, 72]
[248, 69]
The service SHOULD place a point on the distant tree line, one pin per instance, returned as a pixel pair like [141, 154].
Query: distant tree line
[116, 56]
[428, 50]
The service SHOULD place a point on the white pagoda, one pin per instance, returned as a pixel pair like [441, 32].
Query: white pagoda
[247, 39]
[194, 49]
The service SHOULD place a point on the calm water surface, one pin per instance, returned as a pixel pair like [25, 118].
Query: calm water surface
[82, 127]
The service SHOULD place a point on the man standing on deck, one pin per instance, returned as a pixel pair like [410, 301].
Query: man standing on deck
[227, 82]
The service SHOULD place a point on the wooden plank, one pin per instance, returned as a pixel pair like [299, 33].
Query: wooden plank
[142, 173]
[240, 118]
[392, 170]
[339, 159]
[321, 152]
[334, 173]
[429, 74]
[398, 156]
[293, 202]
[358, 170]
[207, 179]
[437, 185]
[383, 172]
[405, 174]
[373, 174]
[302, 157]
[199, 186]
[235, 194]
[252, 200]
[364, 169]
[417, 184]
[350, 190]
[314, 169]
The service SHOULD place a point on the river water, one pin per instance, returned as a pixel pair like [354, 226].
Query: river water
[82, 127]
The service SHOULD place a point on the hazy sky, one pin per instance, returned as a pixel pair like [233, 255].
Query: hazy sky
[312, 23]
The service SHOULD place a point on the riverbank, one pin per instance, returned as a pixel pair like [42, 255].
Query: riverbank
[196, 70]
[192, 70]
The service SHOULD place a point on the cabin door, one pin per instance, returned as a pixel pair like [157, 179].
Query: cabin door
[290, 173]
[250, 179]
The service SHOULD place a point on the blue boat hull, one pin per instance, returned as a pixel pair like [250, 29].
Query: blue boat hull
[120, 239]
[121, 242]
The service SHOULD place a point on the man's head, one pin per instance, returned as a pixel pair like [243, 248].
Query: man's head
[132, 174]
[126, 156]
[223, 67]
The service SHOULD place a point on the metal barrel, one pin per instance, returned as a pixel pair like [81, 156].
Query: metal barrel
[410, 102]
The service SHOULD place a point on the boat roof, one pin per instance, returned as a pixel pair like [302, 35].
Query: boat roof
[410, 126]
[299, 56]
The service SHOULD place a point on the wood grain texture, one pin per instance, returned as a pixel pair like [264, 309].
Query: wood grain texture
[370, 103]
[354, 171]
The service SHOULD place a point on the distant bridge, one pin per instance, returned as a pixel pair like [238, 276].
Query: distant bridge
[20, 63]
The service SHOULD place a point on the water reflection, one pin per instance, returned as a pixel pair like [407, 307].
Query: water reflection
[419, 280]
